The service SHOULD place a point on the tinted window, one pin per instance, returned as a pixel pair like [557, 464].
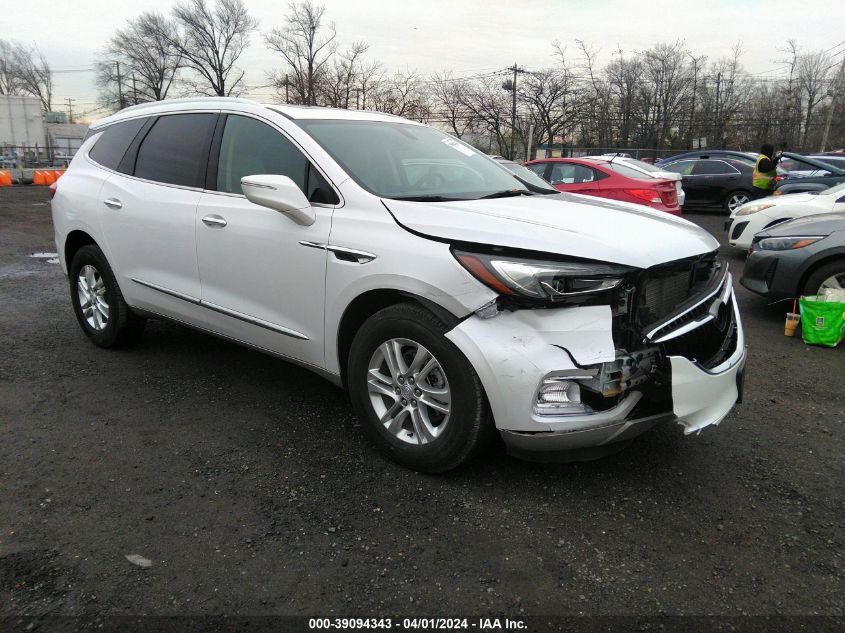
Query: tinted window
[175, 150]
[572, 173]
[713, 168]
[114, 142]
[250, 147]
[317, 189]
[683, 167]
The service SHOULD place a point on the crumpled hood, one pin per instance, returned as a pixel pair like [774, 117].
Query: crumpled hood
[565, 224]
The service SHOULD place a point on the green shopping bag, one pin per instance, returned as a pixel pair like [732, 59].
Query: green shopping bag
[822, 322]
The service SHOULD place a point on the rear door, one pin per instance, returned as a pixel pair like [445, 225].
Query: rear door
[148, 213]
[576, 178]
[263, 279]
[715, 179]
[693, 193]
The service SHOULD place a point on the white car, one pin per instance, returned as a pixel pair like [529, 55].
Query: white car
[400, 263]
[758, 215]
[651, 171]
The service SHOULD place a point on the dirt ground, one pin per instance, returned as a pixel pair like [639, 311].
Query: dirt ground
[246, 483]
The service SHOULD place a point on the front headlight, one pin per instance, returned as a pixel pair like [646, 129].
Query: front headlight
[786, 243]
[748, 209]
[540, 279]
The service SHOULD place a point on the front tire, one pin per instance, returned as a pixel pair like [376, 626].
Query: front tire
[417, 396]
[98, 303]
[736, 199]
[831, 275]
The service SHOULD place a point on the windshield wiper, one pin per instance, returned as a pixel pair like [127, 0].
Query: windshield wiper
[508, 193]
[432, 198]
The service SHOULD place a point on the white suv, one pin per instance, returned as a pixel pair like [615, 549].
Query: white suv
[449, 297]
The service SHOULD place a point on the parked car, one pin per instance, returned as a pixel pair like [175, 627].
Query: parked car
[714, 182]
[653, 172]
[608, 178]
[745, 157]
[799, 257]
[808, 173]
[528, 177]
[765, 213]
[448, 299]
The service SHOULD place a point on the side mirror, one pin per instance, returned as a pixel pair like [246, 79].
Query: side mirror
[281, 194]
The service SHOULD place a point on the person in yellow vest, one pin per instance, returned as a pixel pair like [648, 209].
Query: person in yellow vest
[765, 170]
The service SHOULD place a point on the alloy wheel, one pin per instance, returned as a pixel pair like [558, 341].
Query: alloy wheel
[91, 290]
[834, 282]
[736, 201]
[409, 391]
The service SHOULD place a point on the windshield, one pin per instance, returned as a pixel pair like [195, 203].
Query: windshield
[400, 160]
[835, 189]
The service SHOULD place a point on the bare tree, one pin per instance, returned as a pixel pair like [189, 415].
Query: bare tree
[9, 83]
[306, 45]
[339, 87]
[210, 39]
[448, 97]
[140, 62]
[551, 98]
[490, 106]
[813, 78]
[402, 95]
[34, 75]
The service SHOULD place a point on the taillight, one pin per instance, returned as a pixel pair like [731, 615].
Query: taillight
[779, 178]
[53, 189]
[647, 195]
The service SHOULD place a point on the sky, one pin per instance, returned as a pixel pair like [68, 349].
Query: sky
[464, 36]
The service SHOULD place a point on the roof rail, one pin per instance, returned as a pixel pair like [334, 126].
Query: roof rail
[151, 104]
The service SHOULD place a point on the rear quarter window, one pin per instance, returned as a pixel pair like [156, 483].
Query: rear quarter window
[116, 139]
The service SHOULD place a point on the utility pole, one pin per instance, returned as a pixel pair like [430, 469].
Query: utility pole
[837, 85]
[119, 88]
[530, 142]
[69, 109]
[513, 111]
[716, 109]
[287, 94]
[363, 95]
[134, 91]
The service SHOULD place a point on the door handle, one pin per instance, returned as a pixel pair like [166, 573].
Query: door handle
[113, 203]
[214, 221]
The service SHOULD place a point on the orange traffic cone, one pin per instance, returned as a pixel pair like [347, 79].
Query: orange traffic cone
[52, 176]
[37, 177]
[5, 179]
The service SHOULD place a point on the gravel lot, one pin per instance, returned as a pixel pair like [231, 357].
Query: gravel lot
[246, 483]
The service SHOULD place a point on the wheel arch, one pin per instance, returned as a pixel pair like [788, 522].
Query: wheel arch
[367, 304]
[823, 261]
[75, 240]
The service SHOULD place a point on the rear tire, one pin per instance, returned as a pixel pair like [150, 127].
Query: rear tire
[98, 303]
[736, 199]
[417, 396]
[834, 270]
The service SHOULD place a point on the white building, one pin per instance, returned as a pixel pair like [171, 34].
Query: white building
[21, 122]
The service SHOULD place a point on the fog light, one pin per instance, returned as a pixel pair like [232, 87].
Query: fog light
[559, 396]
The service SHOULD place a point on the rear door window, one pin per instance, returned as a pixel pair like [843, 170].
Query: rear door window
[683, 167]
[116, 139]
[175, 150]
[713, 168]
[573, 173]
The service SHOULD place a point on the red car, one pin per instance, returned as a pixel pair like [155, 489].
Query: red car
[606, 178]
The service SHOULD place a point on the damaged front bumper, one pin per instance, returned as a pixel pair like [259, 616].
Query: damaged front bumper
[515, 352]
